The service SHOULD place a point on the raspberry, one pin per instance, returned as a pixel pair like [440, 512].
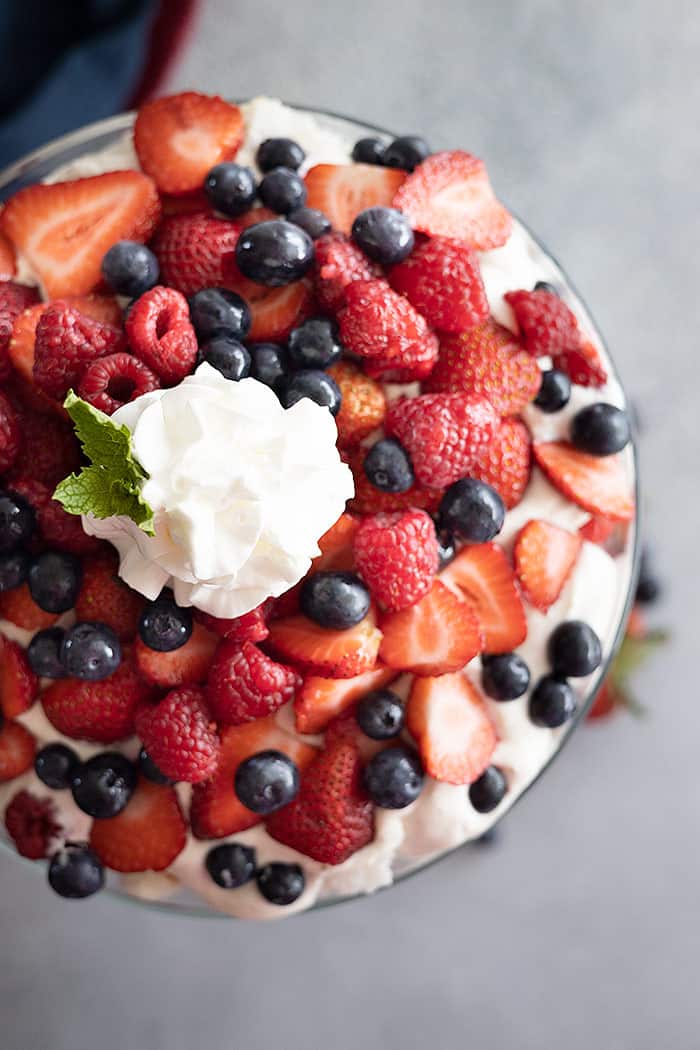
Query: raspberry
[338, 262]
[191, 250]
[14, 298]
[179, 735]
[49, 450]
[57, 528]
[9, 434]
[397, 554]
[160, 333]
[420, 367]
[442, 279]
[505, 463]
[103, 596]
[442, 433]
[547, 325]
[251, 627]
[113, 380]
[66, 342]
[32, 824]
[379, 324]
[245, 684]
[363, 403]
[583, 365]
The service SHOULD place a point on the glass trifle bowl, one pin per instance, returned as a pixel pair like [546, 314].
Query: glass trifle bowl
[598, 591]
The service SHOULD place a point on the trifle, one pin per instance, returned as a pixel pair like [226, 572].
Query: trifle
[317, 507]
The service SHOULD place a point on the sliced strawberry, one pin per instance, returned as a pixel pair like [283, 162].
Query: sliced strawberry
[17, 748]
[254, 216]
[336, 545]
[192, 249]
[146, 836]
[21, 346]
[342, 191]
[14, 299]
[18, 683]
[506, 462]
[180, 137]
[187, 665]
[193, 203]
[583, 365]
[320, 651]
[321, 699]
[345, 730]
[545, 556]
[64, 229]
[362, 406]
[449, 719]
[274, 311]
[597, 483]
[371, 500]
[598, 529]
[8, 261]
[450, 195]
[19, 608]
[438, 634]
[483, 573]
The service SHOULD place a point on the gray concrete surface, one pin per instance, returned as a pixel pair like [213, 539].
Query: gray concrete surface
[581, 928]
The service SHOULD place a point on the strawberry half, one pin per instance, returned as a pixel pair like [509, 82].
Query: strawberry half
[320, 651]
[545, 556]
[321, 699]
[483, 573]
[449, 719]
[442, 279]
[506, 462]
[191, 250]
[438, 634]
[18, 683]
[336, 545]
[187, 665]
[17, 748]
[342, 191]
[597, 483]
[146, 836]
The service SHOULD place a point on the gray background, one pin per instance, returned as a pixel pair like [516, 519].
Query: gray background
[580, 927]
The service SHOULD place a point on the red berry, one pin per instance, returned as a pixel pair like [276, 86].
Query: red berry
[19, 608]
[9, 434]
[18, 683]
[371, 500]
[49, 450]
[378, 323]
[179, 735]
[187, 665]
[598, 484]
[338, 262]
[342, 191]
[442, 279]
[32, 824]
[8, 261]
[251, 627]
[14, 299]
[321, 651]
[17, 749]
[56, 527]
[397, 554]
[114, 380]
[484, 576]
[545, 556]
[506, 462]
[449, 719]
[191, 250]
[161, 335]
[245, 684]
[103, 596]
[547, 325]
[146, 836]
[66, 343]
[437, 635]
[583, 365]
[321, 699]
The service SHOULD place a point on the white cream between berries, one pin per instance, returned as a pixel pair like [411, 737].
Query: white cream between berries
[442, 817]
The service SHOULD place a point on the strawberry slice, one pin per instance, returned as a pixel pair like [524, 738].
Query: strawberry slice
[598, 529]
[545, 556]
[184, 666]
[274, 311]
[483, 573]
[146, 836]
[180, 137]
[583, 365]
[19, 608]
[438, 634]
[65, 228]
[597, 483]
[342, 191]
[450, 195]
[18, 683]
[337, 546]
[320, 651]
[17, 748]
[216, 810]
[321, 699]
[449, 719]
[506, 462]
[8, 262]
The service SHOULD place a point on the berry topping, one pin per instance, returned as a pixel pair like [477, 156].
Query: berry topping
[545, 556]
[49, 450]
[320, 651]
[397, 555]
[90, 651]
[130, 268]
[54, 580]
[17, 520]
[362, 406]
[164, 625]
[32, 824]
[19, 608]
[145, 836]
[274, 253]
[504, 676]
[488, 790]
[230, 188]
[600, 429]
[106, 598]
[383, 234]
[574, 649]
[282, 190]
[179, 735]
[334, 599]
[442, 279]
[321, 699]
[266, 781]
[55, 765]
[369, 151]
[44, 653]
[269, 363]
[388, 467]
[552, 702]
[75, 872]
[338, 262]
[598, 484]
[380, 714]
[484, 576]
[393, 778]
[314, 344]
[191, 250]
[281, 884]
[161, 335]
[435, 636]
[66, 343]
[316, 385]
[14, 568]
[8, 262]
[14, 300]
[150, 771]
[9, 434]
[251, 627]
[56, 527]
[547, 325]
[219, 312]
[583, 365]
[379, 324]
[245, 684]
[18, 684]
[342, 191]
[448, 718]
[101, 712]
[230, 865]
[555, 391]
[227, 356]
[112, 381]
[276, 311]
[17, 748]
[313, 221]
[187, 665]
[506, 462]
[407, 152]
[103, 785]
[472, 510]
[279, 152]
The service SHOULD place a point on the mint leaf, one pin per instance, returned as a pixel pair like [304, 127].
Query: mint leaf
[113, 484]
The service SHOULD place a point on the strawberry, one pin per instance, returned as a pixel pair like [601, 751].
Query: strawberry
[486, 363]
[484, 576]
[449, 719]
[363, 403]
[598, 529]
[419, 366]
[180, 137]
[18, 683]
[66, 343]
[64, 229]
[583, 365]
[438, 634]
[397, 554]
[442, 279]
[161, 335]
[545, 556]
[56, 526]
[321, 699]
[49, 450]
[10, 435]
[112, 381]
[8, 261]
[345, 730]
[506, 462]
[179, 734]
[19, 608]
[336, 545]
[318, 650]
[17, 749]
[547, 326]
[371, 500]
[193, 203]
[33, 825]
[337, 263]
[146, 836]
[191, 250]
[103, 596]
[450, 195]
[342, 191]
[274, 311]
[102, 308]
[598, 484]
[14, 300]
[251, 627]
[216, 810]
[605, 704]
[378, 323]
[442, 433]
[188, 665]
[245, 684]
[101, 711]
[331, 817]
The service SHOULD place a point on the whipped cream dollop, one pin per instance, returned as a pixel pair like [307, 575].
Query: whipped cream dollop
[242, 489]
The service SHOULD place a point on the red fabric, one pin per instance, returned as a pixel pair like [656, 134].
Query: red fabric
[172, 24]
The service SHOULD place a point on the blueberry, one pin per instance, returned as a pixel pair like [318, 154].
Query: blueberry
[279, 153]
[217, 311]
[388, 467]
[269, 363]
[281, 883]
[149, 769]
[406, 152]
[90, 651]
[130, 268]
[282, 190]
[17, 521]
[393, 778]
[545, 286]
[554, 392]
[574, 649]
[648, 585]
[54, 580]
[55, 765]
[14, 567]
[552, 702]
[334, 599]
[504, 676]
[44, 653]
[314, 344]
[314, 384]
[369, 151]
[313, 221]
[472, 510]
[274, 253]
[446, 546]
[230, 865]
[486, 792]
[600, 429]
[380, 714]
[165, 625]
[227, 356]
[75, 872]
[103, 785]
[383, 234]
[230, 188]
[266, 781]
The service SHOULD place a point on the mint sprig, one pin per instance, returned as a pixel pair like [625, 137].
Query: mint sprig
[112, 485]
